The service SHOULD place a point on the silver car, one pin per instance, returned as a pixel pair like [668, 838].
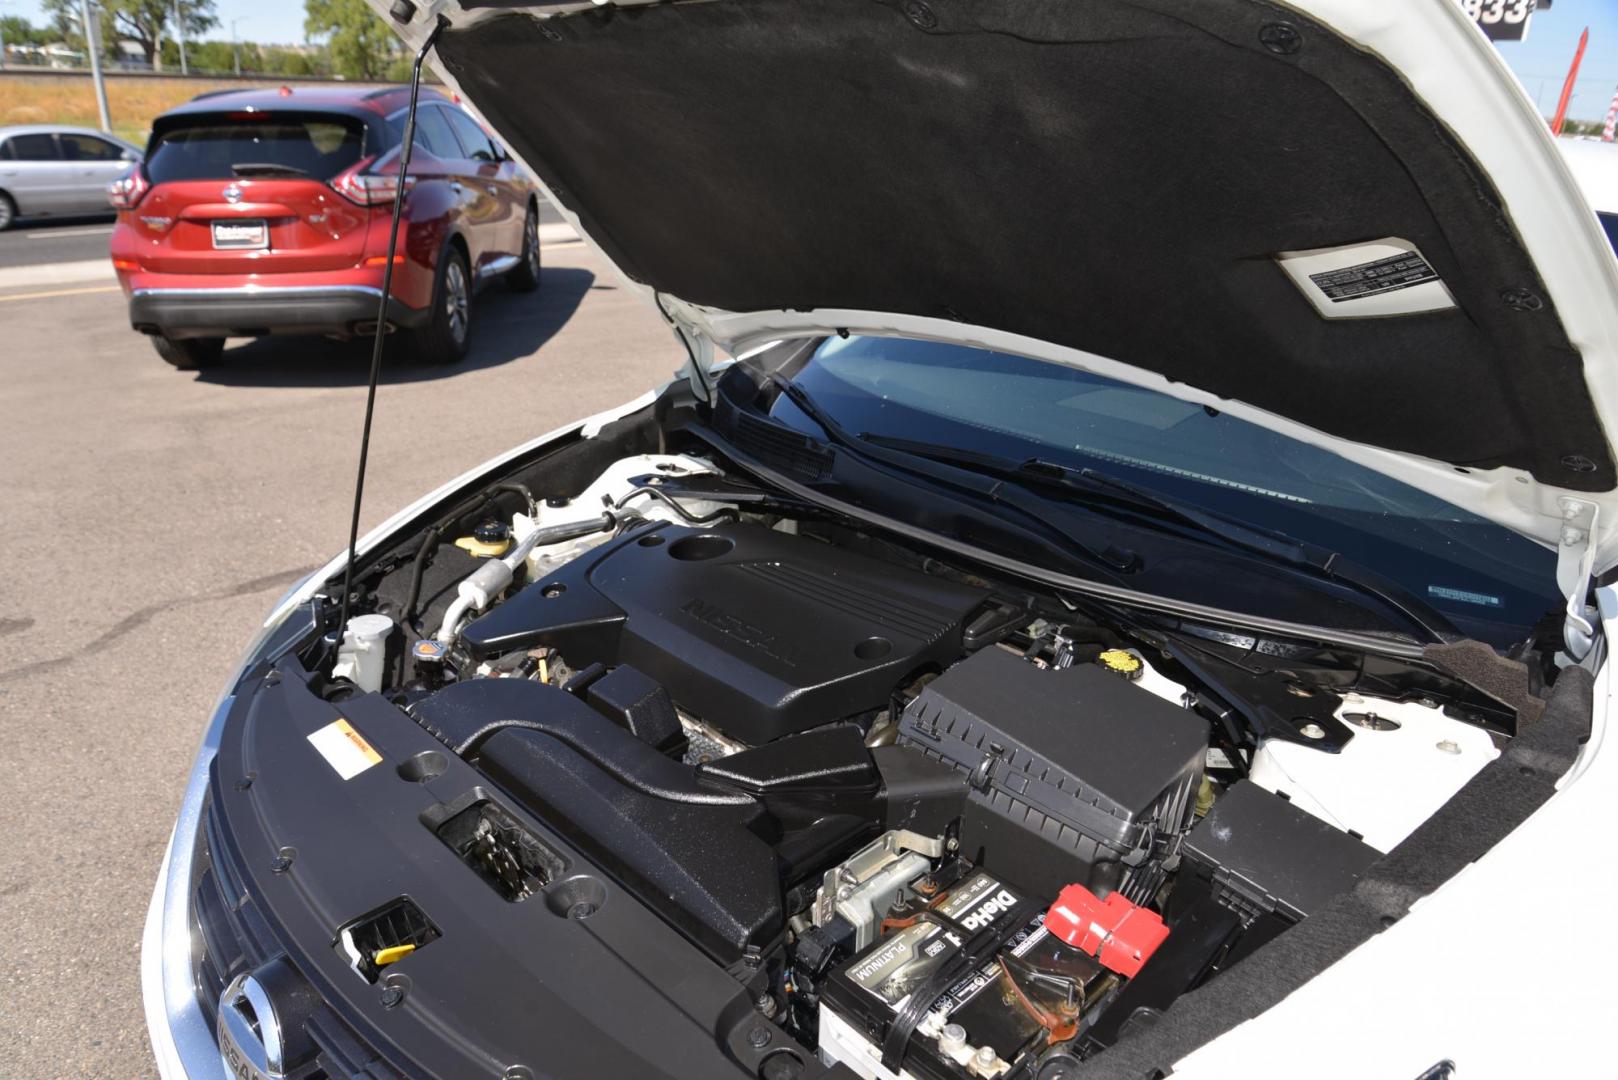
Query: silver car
[54, 170]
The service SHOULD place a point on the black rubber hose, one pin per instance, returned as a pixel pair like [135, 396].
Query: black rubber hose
[518, 489]
[419, 567]
[465, 715]
[430, 541]
[725, 513]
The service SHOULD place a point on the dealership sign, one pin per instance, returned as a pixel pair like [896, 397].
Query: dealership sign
[1503, 20]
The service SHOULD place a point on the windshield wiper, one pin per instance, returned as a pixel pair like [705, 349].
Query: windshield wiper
[1275, 546]
[266, 168]
[1112, 561]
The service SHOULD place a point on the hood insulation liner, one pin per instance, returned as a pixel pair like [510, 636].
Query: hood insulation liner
[1110, 176]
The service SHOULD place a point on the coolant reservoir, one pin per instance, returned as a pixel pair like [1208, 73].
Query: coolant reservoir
[490, 540]
[363, 654]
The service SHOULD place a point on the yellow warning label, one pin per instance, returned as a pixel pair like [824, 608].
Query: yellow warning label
[344, 749]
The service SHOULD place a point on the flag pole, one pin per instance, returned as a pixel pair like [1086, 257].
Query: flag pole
[1567, 87]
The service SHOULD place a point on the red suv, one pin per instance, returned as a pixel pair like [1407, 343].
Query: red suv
[266, 212]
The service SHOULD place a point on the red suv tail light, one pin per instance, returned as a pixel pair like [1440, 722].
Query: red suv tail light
[367, 188]
[128, 190]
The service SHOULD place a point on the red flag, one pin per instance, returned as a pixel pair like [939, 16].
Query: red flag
[1567, 87]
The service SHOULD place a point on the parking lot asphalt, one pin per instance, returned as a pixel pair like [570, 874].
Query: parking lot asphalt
[148, 520]
[44, 242]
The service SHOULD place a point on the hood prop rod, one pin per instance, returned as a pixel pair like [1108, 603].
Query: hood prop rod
[381, 329]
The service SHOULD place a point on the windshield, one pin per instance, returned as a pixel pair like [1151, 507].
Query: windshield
[209, 148]
[1492, 583]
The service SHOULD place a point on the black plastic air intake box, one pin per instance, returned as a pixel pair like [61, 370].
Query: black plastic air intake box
[1074, 774]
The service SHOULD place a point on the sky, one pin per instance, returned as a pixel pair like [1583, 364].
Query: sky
[278, 22]
[1540, 62]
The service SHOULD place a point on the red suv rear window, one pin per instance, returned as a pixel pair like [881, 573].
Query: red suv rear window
[256, 144]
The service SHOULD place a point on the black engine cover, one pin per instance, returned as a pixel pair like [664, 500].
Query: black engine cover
[759, 632]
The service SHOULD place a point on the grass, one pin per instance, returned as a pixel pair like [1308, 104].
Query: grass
[132, 101]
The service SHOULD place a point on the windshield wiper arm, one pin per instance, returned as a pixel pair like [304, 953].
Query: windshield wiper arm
[1275, 546]
[266, 168]
[1037, 472]
[1112, 562]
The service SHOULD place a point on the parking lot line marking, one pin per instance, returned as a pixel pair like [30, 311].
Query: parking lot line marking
[563, 244]
[99, 230]
[59, 292]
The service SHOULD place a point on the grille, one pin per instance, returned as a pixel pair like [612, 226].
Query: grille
[235, 939]
[775, 445]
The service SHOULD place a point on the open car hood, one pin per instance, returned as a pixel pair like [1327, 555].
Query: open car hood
[1343, 221]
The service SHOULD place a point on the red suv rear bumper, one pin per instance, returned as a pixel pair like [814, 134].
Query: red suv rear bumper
[337, 302]
[256, 310]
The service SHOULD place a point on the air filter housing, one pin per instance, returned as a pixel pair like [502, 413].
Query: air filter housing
[1075, 774]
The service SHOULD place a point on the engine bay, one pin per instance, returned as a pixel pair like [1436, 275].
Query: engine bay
[937, 825]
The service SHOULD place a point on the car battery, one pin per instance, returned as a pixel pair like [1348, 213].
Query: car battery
[1026, 988]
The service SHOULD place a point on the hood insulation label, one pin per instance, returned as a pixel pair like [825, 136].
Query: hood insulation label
[1381, 278]
[1368, 279]
[344, 749]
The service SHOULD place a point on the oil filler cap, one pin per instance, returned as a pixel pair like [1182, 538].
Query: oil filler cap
[1120, 934]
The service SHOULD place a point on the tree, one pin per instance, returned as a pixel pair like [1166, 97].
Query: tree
[65, 24]
[360, 43]
[1584, 127]
[145, 22]
[219, 57]
[286, 62]
[17, 30]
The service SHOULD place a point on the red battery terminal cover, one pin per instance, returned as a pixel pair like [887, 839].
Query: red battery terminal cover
[1120, 934]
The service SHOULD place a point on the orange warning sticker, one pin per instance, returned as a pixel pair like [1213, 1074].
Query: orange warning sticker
[344, 749]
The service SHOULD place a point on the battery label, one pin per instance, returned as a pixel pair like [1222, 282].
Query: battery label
[973, 984]
[908, 957]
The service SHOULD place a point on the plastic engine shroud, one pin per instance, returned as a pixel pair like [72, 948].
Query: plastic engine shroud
[760, 632]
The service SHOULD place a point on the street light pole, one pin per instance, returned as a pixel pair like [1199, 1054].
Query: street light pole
[92, 45]
[179, 37]
[235, 49]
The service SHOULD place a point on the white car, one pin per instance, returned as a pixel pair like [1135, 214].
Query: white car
[1136, 605]
[54, 171]
[1595, 167]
